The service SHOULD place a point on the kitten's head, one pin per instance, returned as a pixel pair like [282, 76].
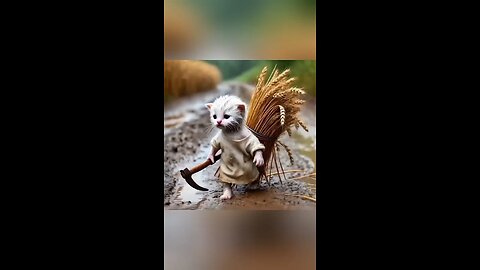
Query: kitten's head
[227, 113]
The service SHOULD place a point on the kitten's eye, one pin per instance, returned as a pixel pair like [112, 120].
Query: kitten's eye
[226, 116]
[214, 116]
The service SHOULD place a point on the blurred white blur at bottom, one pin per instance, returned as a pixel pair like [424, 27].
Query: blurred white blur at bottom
[211, 240]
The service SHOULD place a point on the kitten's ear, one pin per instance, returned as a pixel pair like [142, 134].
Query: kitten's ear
[241, 107]
[209, 105]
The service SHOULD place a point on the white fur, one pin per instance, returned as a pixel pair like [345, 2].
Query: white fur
[227, 105]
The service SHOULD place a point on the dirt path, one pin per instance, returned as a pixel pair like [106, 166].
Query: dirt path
[186, 140]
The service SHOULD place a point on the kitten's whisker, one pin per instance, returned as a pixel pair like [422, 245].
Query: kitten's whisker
[208, 130]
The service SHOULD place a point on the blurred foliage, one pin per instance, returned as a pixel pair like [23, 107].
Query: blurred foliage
[307, 6]
[306, 71]
[247, 29]
[239, 16]
[303, 70]
[232, 68]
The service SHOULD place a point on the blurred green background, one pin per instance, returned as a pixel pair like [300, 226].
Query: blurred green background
[247, 71]
[246, 29]
[237, 17]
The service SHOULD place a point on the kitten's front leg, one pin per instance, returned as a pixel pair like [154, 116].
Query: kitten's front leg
[258, 158]
[213, 153]
[227, 192]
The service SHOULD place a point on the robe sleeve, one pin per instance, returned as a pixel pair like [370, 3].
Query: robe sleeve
[215, 143]
[253, 145]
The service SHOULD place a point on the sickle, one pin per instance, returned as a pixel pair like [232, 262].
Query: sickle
[187, 173]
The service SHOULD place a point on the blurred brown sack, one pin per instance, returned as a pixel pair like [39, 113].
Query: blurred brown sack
[186, 77]
[183, 29]
[290, 41]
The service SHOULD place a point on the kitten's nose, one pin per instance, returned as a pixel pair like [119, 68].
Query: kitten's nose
[219, 122]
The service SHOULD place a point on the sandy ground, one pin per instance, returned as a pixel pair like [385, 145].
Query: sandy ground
[186, 141]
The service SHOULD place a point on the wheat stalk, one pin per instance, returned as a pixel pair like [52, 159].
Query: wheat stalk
[289, 171]
[282, 115]
[303, 196]
[299, 102]
[289, 152]
[303, 176]
[303, 125]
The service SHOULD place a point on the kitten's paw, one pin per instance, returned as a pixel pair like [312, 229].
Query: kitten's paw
[258, 160]
[227, 195]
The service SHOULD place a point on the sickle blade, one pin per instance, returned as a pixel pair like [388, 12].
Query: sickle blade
[188, 178]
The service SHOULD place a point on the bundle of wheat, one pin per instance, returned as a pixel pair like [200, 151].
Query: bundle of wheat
[273, 110]
[185, 77]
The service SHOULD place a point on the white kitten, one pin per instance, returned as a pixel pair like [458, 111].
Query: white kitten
[228, 113]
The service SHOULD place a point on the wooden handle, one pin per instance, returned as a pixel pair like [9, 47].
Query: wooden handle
[203, 165]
